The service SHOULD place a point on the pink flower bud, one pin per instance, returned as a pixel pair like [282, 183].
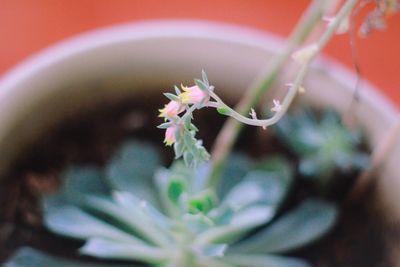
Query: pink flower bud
[170, 135]
[172, 109]
[194, 95]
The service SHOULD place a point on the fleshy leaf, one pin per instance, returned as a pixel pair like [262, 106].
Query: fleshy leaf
[263, 260]
[258, 187]
[236, 167]
[73, 222]
[242, 222]
[202, 202]
[85, 180]
[133, 221]
[197, 222]
[109, 249]
[214, 250]
[129, 201]
[132, 170]
[299, 227]
[29, 257]
[323, 144]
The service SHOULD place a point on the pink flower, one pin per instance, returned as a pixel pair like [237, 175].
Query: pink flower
[170, 135]
[194, 95]
[172, 109]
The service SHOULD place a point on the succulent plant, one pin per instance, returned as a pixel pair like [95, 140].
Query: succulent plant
[121, 213]
[324, 146]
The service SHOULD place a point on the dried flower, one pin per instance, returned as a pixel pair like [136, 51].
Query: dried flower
[304, 55]
[277, 106]
[194, 95]
[343, 27]
[172, 109]
[376, 19]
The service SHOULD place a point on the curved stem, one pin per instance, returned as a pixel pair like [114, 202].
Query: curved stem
[232, 127]
[266, 122]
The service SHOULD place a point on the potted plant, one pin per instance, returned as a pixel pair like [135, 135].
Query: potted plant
[112, 65]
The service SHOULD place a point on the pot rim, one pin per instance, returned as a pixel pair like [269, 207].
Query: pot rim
[80, 43]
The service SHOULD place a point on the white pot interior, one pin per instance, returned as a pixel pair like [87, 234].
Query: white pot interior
[79, 73]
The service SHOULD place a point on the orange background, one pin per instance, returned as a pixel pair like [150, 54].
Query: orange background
[27, 26]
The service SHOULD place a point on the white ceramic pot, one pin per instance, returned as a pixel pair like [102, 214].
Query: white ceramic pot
[79, 73]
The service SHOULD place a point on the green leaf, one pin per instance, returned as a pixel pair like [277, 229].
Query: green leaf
[224, 110]
[175, 188]
[73, 222]
[29, 257]
[177, 90]
[133, 220]
[193, 151]
[258, 187]
[202, 202]
[108, 249]
[222, 215]
[201, 84]
[236, 167]
[241, 223]
[197, 222]
[165, 125]
[214, 250]
[161, 180]
[262, 260]
[131, 202]
[308, 222]
[179, 148]
[322, 143]
[85, 180]
[172, 97]
[214, 262]
[132, 169]
[204, 77]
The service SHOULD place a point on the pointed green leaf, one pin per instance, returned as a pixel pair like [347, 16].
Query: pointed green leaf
[204, 77]
[133, 221]
[263, 260]
[236, 167]
[29, 257]
[241, 223]
[224, 110]
[108, 249]
[177, 90]
[86, 179]
[214, 250]
[172, 97]
[149, 212]
[175, 188]
[165, 125]
[132, 170]
[308, 222]
[73, 222]
[201, 84]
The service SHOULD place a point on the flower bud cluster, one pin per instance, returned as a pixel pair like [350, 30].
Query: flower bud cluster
[179, 129]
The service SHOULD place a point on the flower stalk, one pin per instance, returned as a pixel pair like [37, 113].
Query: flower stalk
[307, 24]
[180, 131]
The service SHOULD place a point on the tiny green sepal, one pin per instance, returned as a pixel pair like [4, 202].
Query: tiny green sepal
[224, 110]
[201, 84]
[172, 97]
[205, 78]
[177, 91]
[165, 125]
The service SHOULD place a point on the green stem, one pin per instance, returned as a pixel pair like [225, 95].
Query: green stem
[232, 128]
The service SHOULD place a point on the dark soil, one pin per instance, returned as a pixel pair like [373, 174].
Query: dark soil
[357, 239]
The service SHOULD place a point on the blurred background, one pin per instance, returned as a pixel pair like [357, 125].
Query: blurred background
[28, 26]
